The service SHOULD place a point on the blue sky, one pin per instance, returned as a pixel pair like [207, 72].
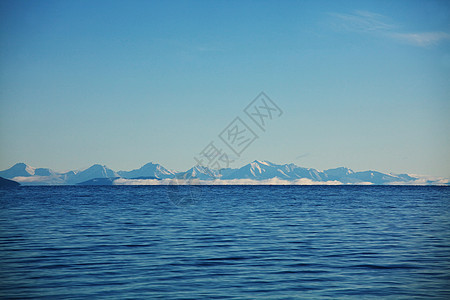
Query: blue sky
[362, 84]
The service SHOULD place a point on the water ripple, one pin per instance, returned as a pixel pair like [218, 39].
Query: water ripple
[234, 243]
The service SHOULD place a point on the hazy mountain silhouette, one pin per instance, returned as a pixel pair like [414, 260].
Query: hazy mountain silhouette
[7, 183]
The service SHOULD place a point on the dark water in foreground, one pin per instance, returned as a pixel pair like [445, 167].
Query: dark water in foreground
[355, 242]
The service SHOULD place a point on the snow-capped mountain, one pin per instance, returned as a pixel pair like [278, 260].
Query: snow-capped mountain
[26, 174]
[95, 171]
[338, 173]
[255, 171]
[260, 170]
[24, 170]
[149, 170]
[263, 170]
[199, 172]
[296, 172]
[372, 177]
[346, 175]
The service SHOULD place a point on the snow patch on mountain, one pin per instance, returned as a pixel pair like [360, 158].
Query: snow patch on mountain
[148, 170]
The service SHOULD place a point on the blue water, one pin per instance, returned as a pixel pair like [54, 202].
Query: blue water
[232, 242]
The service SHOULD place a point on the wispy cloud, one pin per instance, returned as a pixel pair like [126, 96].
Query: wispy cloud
[123, 181]
[302, 156]
[423, 39]
[365, 22]
[272, 181]
[423, 180]
[361, 21]
[39, 180]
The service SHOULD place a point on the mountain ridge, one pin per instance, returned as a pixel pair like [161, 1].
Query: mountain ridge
[256, 171]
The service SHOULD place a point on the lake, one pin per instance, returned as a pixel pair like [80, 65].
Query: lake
[225, 242]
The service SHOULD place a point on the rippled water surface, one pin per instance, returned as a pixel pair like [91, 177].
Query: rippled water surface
[254, 242]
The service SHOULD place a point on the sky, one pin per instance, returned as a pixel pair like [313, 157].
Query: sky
[361, 84]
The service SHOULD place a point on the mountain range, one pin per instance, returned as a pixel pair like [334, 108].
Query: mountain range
[256, 172]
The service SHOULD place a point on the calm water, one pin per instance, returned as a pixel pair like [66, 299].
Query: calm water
[262, 242]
